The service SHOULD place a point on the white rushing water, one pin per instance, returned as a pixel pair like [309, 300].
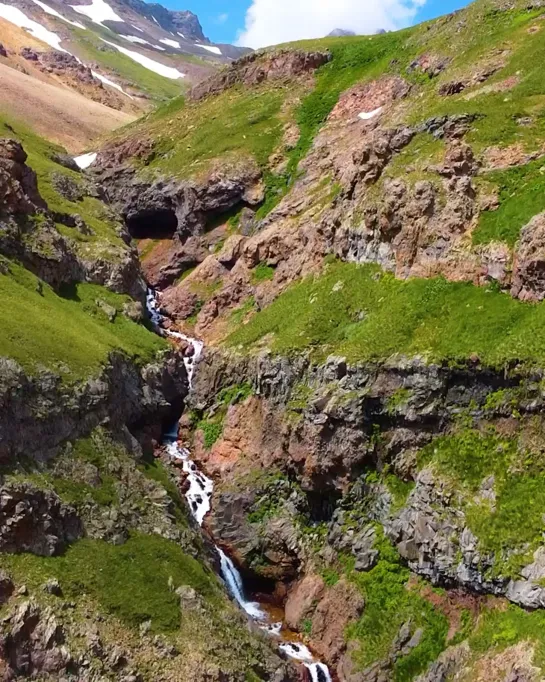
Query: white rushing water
[199, 495]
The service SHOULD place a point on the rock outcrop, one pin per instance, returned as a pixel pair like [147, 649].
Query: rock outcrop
[35, 521]
[40, 413]
[257, 67]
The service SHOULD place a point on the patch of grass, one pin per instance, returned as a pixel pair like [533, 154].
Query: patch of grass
[511, 529]
[237, 124]
[397, 400]
[130, 581]
[234, 394]
[389, 605]
[399, 490]
[211, 430]
[431, 317]
[276, 186]
[522, 196]
[68, 334]
[504, 626]
[262, 273]
[155, 470]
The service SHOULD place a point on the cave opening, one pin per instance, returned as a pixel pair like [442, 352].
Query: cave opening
[159, 223]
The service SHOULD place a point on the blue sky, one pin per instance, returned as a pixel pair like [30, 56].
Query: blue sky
[223, 20]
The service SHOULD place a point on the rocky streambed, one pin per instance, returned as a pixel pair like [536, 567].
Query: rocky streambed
[199, 490]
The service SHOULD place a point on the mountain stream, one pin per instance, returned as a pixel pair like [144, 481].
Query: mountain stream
[199, 495]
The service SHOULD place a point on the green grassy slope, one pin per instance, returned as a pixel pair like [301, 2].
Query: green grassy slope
[69, 334]
[357, 312]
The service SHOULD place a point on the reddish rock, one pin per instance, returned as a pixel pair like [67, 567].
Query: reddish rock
[256, 67]
[302, 600]
[529, 266]
[341, 605]
[18, 183]
[369, 97]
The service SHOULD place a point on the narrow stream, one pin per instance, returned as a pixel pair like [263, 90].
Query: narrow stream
[199, 495]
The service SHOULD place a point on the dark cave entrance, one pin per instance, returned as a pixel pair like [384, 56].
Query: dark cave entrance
[160, 223]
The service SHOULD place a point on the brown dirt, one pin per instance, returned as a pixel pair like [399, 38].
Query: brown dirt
[452, 604]
[58, 114]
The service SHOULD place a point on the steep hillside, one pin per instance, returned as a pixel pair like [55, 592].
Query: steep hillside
[127, 56]
[354, 227]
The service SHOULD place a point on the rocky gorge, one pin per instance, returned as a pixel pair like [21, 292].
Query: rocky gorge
[316, 452]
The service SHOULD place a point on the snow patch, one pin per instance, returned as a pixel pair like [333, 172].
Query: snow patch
[54, 13]
[170, 43]
[98, 11]
[137, 29]
[15, 16]
[155, 20]
[107, 81]
[134, 39]
[146, 62]
[85, 160]
[368, 115]
[210, 48]
[180, 34]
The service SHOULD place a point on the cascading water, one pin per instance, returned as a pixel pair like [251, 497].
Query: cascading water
[199, 495]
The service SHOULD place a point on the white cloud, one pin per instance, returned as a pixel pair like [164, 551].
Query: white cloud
[222, 18]
[269, 22]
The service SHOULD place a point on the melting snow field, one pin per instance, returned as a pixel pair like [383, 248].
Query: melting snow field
[107, 81]
[210, 48]
[151, 64]
[367, 115]
[54, 13]
[134, 39]
[15, 16]
[98, 11]
[170, 43]
[85, 160]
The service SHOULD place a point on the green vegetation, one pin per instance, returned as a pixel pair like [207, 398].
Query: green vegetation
[237, 124]
[130, 581]
[397, 400]
[522, 196]
[70, 334]
[92, 50]
[499, 628]
[438, 319]
[512, 527]
[104, 241]
[211, 430]
[353, 60]
[262, 273]
[389, 604]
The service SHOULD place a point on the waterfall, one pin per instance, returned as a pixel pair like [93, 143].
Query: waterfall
[199, 496]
